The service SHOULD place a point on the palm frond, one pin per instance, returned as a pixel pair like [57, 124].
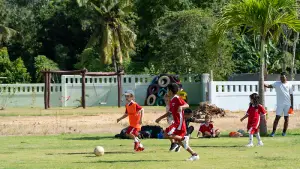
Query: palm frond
[6, 33]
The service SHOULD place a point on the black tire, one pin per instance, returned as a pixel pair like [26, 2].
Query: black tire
[160, 102]
[153, 89]
[151, 100]
[161, 92]
[164, 81]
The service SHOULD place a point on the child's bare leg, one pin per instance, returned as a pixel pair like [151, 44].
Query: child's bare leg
[189, 149]
[207, 134]
[217, 133]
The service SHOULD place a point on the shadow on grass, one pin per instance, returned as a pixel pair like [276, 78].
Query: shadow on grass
[125, 161]
[91, 153]
[91, 138]
[216, 146]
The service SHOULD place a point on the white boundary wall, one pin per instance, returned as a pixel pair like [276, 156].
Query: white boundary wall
[98, 89]
[234, 95]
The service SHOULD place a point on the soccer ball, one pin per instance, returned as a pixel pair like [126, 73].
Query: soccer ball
[99, 151]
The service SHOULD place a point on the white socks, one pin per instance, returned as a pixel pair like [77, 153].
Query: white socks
[136, 139]
[258, 137]
[250, 138]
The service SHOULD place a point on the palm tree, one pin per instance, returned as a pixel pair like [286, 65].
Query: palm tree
[113, 38]
[6, 34]
[263, 17]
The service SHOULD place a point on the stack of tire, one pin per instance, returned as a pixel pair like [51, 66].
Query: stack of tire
[158, 88]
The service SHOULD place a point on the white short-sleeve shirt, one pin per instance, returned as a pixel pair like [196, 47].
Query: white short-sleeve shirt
[170, 116]
[283, 92]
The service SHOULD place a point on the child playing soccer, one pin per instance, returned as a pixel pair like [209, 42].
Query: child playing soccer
[207, 129]
[168, 114]
[177, 130]
[135, 113]
[253, 114]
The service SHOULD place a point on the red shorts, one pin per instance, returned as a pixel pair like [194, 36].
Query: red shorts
[172, 130]
[132, 130]
[252, 130]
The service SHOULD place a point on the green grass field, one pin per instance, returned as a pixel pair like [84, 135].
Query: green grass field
[75, 151]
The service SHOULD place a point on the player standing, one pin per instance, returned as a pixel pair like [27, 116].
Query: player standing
[253, 115]
[284, 94]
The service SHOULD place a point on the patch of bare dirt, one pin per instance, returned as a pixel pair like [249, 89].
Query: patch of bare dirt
[105, 122]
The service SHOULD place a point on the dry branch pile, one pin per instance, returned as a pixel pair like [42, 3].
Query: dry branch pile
[210, 109]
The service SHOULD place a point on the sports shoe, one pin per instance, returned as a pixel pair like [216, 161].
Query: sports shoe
[249, 145]
[260, 143]
[173, 146]
[140, 149]
[193, 157]
[272, 134]
[178, 149]
[185, 142]
[284, 134]
[136, 145]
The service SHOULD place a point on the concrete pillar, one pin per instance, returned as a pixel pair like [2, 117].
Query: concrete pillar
[204, 88]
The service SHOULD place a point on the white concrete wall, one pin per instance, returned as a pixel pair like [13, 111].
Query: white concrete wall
[98, 89]
[234, 95]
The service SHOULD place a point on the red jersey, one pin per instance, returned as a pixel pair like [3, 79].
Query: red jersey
[204, 127]
[178, 117]
[254, 115]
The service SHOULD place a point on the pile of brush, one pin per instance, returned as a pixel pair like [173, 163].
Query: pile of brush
[210, 109]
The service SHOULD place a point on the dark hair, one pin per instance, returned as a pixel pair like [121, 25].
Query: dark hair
[188, 111]
[283, 74]
[255, 98]
[173, 87]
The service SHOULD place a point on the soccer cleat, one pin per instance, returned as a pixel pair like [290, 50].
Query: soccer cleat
[284, 134]
[178, 149]
[185, 142]
[140, 149]
[260, 143]
[249, 145]
[173, 146]
[272, 134]
[193, 158]
[136, 145]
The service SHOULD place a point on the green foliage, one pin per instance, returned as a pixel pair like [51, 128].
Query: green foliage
[15, 72]
[42, 63]
[113, 38]
[182, 44]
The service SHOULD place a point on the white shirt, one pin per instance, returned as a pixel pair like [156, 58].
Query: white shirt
[283, 91]
[170, 116]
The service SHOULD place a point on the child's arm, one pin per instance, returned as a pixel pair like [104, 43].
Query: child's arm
[185, 106]
[198, 133]
[121, 118]
[142, 114]
[198, 121]
[243, 118]
[162, 117]
[213, 130]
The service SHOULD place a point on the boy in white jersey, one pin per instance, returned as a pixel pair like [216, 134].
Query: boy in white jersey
[284, 94]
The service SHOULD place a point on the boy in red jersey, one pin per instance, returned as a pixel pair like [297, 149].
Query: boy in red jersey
[207, 129]
[253, 114]
[135, 113]
[177, 129]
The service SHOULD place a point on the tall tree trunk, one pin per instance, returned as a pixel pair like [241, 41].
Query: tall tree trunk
[296, 39]
[261, 92]
[115, 59]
